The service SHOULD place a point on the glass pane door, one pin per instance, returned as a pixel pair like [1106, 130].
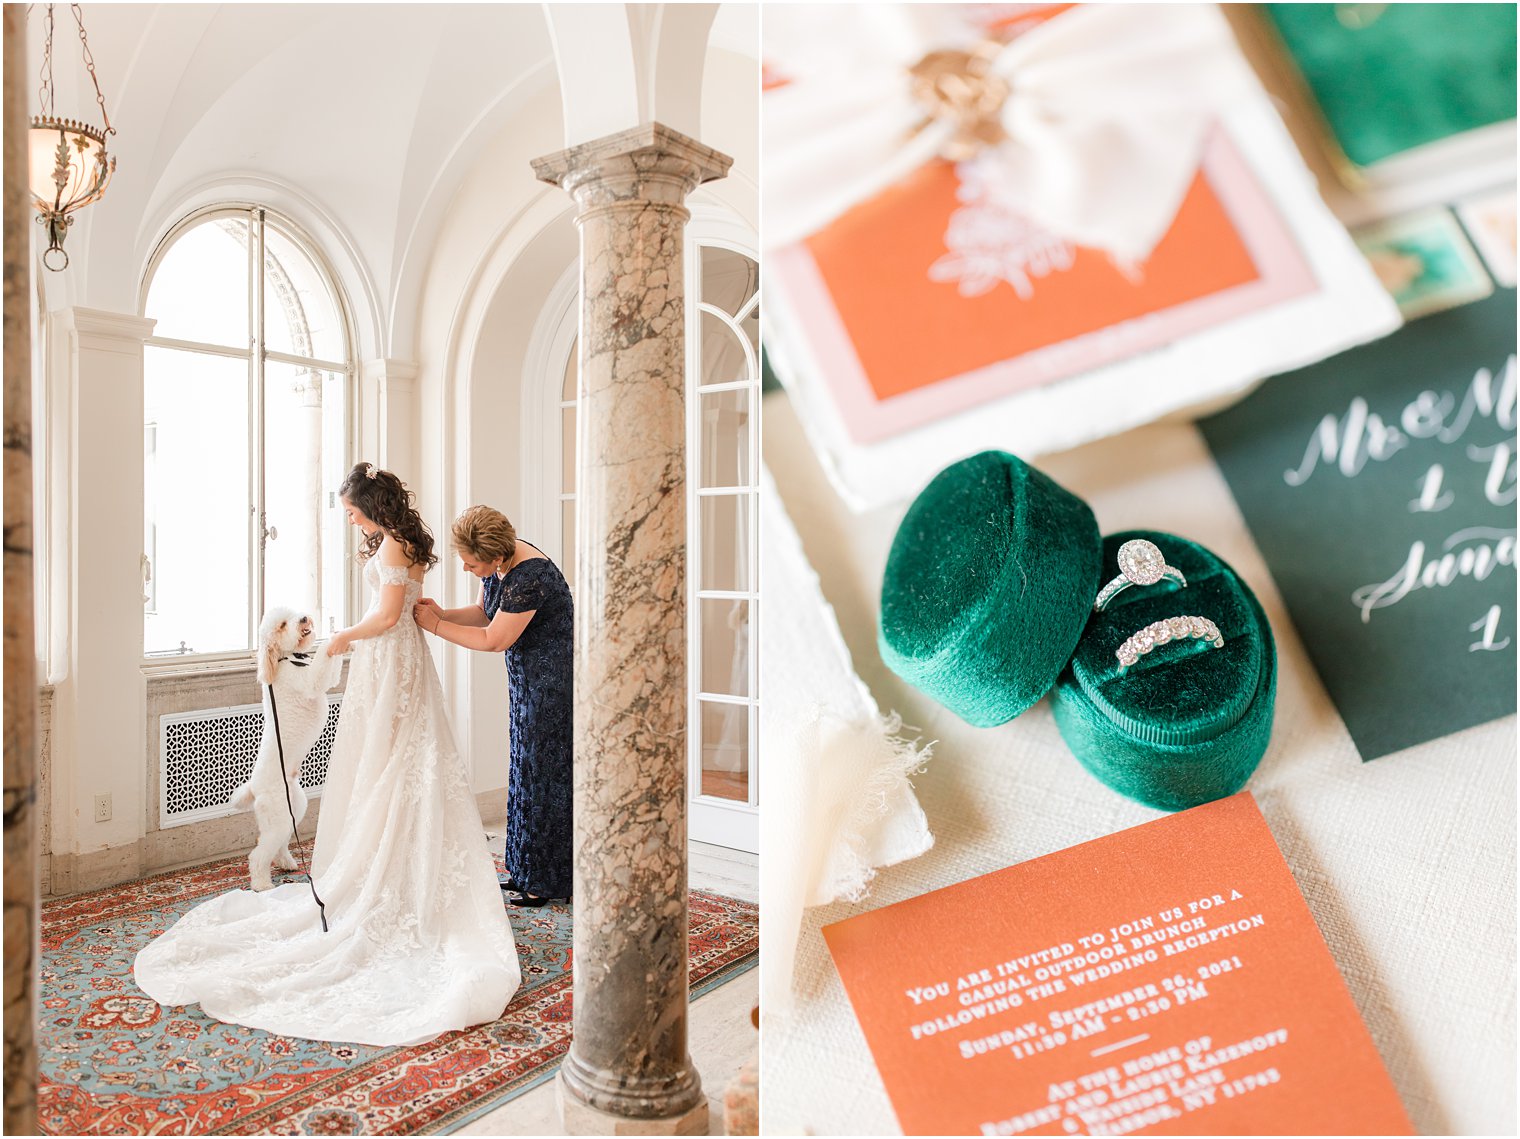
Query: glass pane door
[723, 567]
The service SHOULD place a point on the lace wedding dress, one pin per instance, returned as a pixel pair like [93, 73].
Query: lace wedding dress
[419, 942]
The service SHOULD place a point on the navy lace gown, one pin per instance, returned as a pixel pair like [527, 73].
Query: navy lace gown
[539, 680]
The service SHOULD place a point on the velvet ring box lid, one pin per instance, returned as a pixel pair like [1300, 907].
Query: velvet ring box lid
[986, 606]
[988, 587]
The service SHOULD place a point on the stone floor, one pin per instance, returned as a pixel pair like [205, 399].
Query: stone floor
[721, 1036]
[721, 1040]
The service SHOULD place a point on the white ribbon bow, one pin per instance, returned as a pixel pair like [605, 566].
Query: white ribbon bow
[1106, 118]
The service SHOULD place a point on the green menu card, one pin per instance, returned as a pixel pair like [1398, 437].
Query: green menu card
[1391, 77]
[1380, 487]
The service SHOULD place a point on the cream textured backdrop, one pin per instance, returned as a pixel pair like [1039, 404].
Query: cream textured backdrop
[1408, 863]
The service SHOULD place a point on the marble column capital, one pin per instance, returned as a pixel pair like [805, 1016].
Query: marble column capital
[645, 165]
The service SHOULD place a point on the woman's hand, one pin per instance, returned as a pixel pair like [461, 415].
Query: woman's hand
[427, 613]
[340, 644]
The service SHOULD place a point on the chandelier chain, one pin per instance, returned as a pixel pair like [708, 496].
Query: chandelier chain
[45, 92]
[89, 63]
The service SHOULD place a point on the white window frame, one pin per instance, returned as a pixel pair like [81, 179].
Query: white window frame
[256, 355]
[150, 538]
[712, 819]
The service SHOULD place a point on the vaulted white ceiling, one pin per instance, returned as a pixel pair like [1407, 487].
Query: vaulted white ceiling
[371, 113]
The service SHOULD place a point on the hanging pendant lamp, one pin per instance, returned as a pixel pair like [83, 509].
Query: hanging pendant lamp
[69, 164]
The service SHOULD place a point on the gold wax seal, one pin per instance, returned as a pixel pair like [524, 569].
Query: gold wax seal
[960, 88]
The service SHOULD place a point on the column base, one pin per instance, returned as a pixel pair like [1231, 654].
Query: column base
[580, 1118]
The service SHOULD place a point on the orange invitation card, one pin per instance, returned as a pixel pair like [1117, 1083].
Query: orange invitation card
[927, 301]
[1168, 979]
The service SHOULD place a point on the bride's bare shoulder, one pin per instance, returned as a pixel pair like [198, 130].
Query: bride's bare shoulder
[392, 554]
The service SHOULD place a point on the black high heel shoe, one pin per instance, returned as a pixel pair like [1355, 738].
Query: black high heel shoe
[528, 901]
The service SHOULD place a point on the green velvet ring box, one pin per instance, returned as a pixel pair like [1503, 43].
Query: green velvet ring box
[977, 608]
[987, 605]
[1188, 722]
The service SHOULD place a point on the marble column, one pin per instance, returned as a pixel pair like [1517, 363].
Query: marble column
[628, 1070]
[20, 643]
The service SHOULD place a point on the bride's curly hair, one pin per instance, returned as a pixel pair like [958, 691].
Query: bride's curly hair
[387, 503]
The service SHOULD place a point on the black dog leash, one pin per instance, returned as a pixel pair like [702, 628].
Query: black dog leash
[279, 743]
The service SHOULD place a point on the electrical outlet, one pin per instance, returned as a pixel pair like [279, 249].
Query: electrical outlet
[102, 808]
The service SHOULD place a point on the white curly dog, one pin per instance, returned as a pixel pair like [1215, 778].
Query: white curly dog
[300, 677]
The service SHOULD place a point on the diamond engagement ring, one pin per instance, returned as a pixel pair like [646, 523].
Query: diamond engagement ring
[1140, 563]
[1160, 632]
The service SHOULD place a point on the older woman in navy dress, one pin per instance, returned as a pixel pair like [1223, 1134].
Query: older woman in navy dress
[523, 609]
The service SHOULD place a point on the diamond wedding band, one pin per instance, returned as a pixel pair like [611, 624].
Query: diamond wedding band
[1160, 632]
[1140, 563]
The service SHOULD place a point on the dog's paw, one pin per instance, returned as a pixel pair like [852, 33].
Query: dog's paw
[285, 860]
[259, 886]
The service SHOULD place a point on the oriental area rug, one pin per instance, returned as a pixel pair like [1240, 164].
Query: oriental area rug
[111, 1061]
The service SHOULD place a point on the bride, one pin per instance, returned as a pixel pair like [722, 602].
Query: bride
[419, 942]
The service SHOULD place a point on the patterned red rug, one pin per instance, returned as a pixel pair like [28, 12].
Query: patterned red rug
[111, 1061]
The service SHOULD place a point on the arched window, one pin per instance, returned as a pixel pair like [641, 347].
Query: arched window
[247, 385]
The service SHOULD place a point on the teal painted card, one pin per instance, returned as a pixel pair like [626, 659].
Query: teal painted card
[1380, 487]
[1425, 261]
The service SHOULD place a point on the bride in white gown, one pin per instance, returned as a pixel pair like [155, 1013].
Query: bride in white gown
[419, 942]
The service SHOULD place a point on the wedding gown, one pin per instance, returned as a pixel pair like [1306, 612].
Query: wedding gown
[419, 941]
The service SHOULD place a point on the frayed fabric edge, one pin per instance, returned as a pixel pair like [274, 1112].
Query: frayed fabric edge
[894, 759]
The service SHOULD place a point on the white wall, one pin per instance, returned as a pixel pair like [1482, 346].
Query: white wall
[399, 136]
[99, 709]
[731, 124]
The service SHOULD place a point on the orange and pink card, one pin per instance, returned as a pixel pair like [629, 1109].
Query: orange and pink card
[896, 347]
[1168, 979]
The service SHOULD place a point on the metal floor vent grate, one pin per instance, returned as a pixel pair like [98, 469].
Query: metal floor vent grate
[205, 754]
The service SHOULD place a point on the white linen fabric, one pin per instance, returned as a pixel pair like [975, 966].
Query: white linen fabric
[1105, 120]
[1407, 863]
[839, 769]
[419, 942]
